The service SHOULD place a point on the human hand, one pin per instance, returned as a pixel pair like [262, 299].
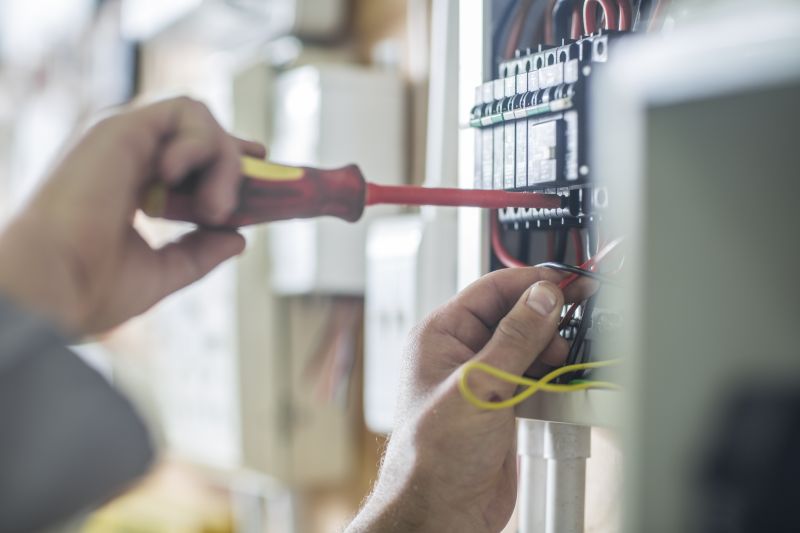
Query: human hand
[73, 254]
[450, 466]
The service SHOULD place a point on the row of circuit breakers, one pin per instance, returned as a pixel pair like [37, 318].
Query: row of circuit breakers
[531, 132]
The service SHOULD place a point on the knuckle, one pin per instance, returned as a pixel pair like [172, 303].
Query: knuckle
[186, 101]
[194, 106]
[106, 126]
[430, 325]
[121, 132]
[231, 150]
[418, 332]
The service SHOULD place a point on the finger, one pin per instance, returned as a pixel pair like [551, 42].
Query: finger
[520, 336]
[195, 143]
[250, 148]
[194, 255]
[554, 356]
[473, 314]
[185, 132]
[492, 296]
[538, 369]
[218, 193]
[185, 154]
[555, 353]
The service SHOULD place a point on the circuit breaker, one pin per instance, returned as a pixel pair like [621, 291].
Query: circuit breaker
[531, 125]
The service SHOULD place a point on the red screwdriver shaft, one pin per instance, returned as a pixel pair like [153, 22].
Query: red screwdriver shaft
[271, 191]
[410, 195]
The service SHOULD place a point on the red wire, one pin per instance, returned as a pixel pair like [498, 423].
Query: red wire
[549, 35]
[592, 261]
[500, 251]
[516, 30]
[568, 316]
[589, 264]
[625, 15]
[410, 195]
[577, 23]
[590, 14]
[508, 260]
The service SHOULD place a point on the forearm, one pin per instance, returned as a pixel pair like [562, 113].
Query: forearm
[403, 499]
[34, 275]
[407, 512]
[69, 441]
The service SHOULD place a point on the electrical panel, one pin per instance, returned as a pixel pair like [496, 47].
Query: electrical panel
[531, 122]
[531, 134]
[531, 129]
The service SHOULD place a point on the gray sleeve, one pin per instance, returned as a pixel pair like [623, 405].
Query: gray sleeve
[68, 440]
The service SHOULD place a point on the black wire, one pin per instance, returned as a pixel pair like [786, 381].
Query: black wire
[562, 19]
[524, 247]
[593, 241]
[637, 14]
[532, 30]
[561, 246]
[500, 31]
[589, 251]
[646, 8]
[584, 356]
[563, 267]
[580, 336]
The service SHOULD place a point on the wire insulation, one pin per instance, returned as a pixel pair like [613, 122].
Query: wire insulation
[563, 267]
[549, 31]
[500, 251]
[590, 263]
[577, 23]
[533, 386]
[500, 29]
[562, 18]
[625, 15]
[590, 14]
[515, 32]
[577, 243]
[657, 14]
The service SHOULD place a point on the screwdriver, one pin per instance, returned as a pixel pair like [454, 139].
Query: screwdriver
[271, 192]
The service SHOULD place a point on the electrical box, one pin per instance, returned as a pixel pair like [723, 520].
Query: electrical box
[531, 132]
[330, 116]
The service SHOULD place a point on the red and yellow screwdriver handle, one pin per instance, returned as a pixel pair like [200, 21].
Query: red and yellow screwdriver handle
[270, 192]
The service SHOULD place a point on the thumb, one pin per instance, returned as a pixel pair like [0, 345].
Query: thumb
[520, 336]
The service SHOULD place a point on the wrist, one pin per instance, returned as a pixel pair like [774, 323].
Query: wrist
[386, 518]
[405, 498]
[35, 278]
[397, 503]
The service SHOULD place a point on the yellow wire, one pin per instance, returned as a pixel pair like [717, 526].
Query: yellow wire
[533, 386]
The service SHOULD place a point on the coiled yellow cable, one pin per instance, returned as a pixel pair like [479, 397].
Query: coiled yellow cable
[533, 386]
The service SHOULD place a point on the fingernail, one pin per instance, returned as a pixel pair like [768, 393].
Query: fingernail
[542, 298]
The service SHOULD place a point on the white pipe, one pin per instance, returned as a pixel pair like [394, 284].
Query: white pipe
[532, 476]
[566, 447]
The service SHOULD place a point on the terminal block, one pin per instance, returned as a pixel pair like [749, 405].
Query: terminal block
[531, 131]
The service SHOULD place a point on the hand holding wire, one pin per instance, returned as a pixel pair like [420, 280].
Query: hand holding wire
[586, 269]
